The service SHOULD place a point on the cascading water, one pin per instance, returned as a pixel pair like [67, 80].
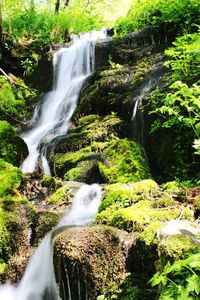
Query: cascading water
[51, 118]
[38, 282]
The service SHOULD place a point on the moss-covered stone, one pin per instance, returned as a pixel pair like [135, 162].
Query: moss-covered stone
[116, 88]
[14, 100]
[137, 212]
[89, 129]
[14, 233]
[125, 162]
[118, 160]
[87, 255]
[61, 195]
[10, 178]
[171, 186]
[52, 183]
[43, 223]
[12, 148]
[176, 247]
[124, 195]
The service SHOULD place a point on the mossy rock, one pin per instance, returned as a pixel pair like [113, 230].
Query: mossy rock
[79, 166]
[140, 215]
[43, 223]
[87, 255]
[119, 160]
[10, 178]
[125, 195]
[85, 171]
[176, 247]
[116, 87]
[89, 129]
[61, 196]
[64, 162]
[12, 148]
[15, 99]
[125, 162]
[52, 183]
[171, 187]
[14, 232]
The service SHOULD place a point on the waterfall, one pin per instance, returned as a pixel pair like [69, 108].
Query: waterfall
[38, 282]
[51, 117]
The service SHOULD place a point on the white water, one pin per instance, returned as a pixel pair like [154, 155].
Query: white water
[39, 276]
[51, 118]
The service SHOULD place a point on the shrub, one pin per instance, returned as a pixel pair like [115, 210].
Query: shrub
[178, 15]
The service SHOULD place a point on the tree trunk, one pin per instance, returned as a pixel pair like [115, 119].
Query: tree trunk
[66, 3]
[57, 6]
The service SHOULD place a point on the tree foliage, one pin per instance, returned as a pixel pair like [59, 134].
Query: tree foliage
[180, 280]
[180, 104]
[178, 16]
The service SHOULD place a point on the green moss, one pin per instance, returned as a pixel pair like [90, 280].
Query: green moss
[14, 100]
[3, 268]
[176, 247]
[91, 129]
[197, 203]
[88, 120]
[59, 195]
[11, 145]
[124, 195]
[5, 246]
[147, 186]
[140, 215]
[120, 197]
[125, 162]
[171, 186]
[52, 183]
[79, 173]
[64, 162]
[43, 223]
[10, 177]
[149, 235]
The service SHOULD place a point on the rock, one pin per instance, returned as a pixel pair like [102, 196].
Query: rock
[83, 259]
[137, 206]
[10, 178]
[16, 101]
[116, 160]
[12, 148]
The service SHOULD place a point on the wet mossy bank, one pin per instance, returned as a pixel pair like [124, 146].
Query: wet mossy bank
[95, 151]
[101, 260]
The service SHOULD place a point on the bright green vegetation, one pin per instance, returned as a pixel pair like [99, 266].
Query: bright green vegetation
[179, 280]
[15, 101]
[97, 154]
[174, 15]
[100, 148]
[119, 160]
[40, 24]
[11, 145]
[43, 223]
[10, 177]
[126, 162]
[13, 222]
[179, 106]
[133, 211]
[59, 196]
[52, 183]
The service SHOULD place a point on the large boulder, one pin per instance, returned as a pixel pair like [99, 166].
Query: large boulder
[90, 261]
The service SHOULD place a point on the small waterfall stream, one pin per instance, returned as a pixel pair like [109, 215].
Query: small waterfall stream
[50, 120]
[51, 117]
[38, 282]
